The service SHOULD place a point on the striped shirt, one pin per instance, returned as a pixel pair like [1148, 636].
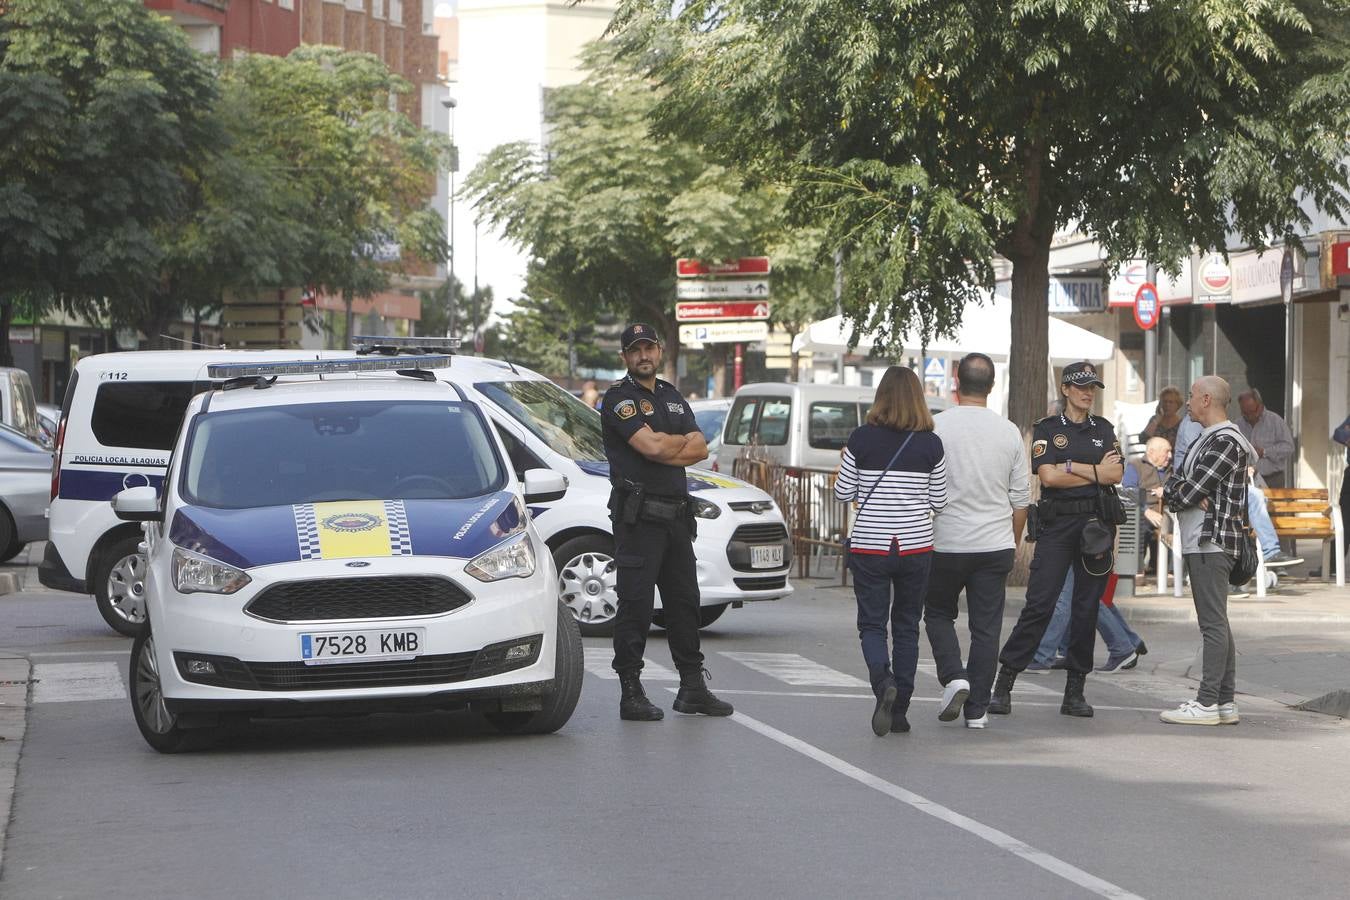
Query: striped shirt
[898, 515]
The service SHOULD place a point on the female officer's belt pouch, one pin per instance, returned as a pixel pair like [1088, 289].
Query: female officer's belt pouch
[1098, 547]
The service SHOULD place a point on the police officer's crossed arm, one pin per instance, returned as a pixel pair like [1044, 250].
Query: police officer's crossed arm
[1071, 475]
[670, 449]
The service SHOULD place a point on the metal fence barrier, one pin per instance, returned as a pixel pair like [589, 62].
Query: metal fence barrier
[817, 523]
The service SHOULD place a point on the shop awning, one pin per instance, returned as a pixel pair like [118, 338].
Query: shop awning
[984, 328]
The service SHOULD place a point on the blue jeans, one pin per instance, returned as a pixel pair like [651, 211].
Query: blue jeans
[1259, 516]
[890, 588]
[1120, 639]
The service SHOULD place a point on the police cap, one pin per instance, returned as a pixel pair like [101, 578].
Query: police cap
[638, 332]
[1081, 374]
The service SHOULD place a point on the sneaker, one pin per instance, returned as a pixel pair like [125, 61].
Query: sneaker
[981, 722]
[1119, 663]
[953, 698]
[1235, 594]
[1281, 559]
[881, 716]
[1228, 714]
[1192, 712]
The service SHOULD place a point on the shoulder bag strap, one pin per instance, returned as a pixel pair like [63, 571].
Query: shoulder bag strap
[877, 484]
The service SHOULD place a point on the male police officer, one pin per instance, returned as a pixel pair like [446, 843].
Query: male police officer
[650, 436]
[1076, 457]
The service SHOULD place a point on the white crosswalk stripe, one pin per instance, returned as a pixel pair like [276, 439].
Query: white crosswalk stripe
[599, 662]
[794, 669]
[71, 682]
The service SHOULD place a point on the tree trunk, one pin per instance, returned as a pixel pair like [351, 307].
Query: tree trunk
[6, 316]
[348, 318]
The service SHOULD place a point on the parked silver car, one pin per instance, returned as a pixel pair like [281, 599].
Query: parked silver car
[25, 489]
[711, 416]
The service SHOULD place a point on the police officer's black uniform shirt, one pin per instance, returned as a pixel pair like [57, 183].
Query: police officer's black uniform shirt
[1056, 439]
[626, 408]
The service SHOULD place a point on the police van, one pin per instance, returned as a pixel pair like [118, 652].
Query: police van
[743, 548]
[351, 538]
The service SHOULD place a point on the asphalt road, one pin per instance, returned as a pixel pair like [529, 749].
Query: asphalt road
[792, 797]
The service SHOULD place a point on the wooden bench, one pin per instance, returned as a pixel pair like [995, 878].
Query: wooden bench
[1305, 514]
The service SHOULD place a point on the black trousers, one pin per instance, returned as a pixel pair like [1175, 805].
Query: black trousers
[1057, 549]
[984, 578]
[653, 555]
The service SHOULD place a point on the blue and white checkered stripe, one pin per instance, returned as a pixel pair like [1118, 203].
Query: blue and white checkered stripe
[400, 537]
[307, 531]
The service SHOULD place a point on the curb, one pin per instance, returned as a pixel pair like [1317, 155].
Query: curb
[14, 679]
[10, 583]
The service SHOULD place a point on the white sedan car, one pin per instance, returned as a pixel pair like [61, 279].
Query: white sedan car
[348, 544]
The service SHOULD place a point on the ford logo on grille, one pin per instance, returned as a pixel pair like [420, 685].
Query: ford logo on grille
[357, 565]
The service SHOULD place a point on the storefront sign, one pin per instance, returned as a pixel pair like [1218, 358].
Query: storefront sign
[1340, 259]
[1076, 295]
[1126, 283]
[1134, 273]
[1146, 306]
[1214, 280]
[1256, 276]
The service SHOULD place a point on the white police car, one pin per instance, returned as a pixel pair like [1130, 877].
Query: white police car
[743, 549]
[344, 543]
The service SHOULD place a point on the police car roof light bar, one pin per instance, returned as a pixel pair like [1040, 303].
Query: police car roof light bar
[324, 366]
[390, 345]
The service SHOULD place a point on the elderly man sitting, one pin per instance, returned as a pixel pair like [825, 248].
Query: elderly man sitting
[1151, 473]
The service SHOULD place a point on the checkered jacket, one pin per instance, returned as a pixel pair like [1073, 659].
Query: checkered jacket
[1216, 470]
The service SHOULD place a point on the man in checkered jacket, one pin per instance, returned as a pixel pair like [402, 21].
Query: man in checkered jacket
[1209, 493]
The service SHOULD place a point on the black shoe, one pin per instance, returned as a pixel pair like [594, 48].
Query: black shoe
[1074, 703]
[899, 724]
[881, 716]
[1141, 649]
[633, 703]
[1000, 704]
[694, 697]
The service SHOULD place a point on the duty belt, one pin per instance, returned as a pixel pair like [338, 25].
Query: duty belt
[1070, 507]
[663, 509]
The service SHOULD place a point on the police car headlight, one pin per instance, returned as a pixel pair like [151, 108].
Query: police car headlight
[200, 574]
[705, 509]
[512, 559]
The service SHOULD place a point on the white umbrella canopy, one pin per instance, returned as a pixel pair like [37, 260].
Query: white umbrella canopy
[986, 329]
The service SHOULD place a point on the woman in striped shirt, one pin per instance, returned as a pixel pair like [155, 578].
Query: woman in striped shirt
[894, 470]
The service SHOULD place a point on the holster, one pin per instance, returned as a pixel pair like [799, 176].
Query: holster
[1109, 508]
[1033, 522]
[625, 503]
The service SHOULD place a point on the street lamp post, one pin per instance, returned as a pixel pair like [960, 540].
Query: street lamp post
[450, 103]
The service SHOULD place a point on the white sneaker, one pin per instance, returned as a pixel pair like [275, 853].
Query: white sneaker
[1228, 714]
[981, 722]
[953, 698]
[1192, 712]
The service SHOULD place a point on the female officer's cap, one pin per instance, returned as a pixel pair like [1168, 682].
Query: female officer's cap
[1081, 374]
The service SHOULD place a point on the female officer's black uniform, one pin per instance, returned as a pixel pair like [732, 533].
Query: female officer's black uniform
[1063, 514]
[653, 542]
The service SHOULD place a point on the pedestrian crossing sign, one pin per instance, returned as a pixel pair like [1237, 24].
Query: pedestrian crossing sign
[933, 368]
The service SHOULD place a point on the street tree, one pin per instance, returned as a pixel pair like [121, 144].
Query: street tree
[607, 206]
[361, 171]
[928, 136]
[102, 105]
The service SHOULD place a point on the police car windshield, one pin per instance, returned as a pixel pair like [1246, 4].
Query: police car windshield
[564, 423]
[363, 450]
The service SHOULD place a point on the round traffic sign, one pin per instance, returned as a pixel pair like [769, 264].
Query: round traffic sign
[1146, 306]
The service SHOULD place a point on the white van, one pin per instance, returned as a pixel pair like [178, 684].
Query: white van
[122, 413]
[796, 424]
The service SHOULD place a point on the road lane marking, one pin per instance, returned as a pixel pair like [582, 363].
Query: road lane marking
[794, 669]
[1023, 685]
[599, 662]
[62, 654]
[871, 699]
[1002, 840]
[71, 682]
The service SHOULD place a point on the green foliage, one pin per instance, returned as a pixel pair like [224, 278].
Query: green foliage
[607, 206]
[549, 336]
[101, 105]
[926, 136]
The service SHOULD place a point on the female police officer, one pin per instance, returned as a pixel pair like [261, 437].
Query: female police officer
[1077, 458]
[650, 436]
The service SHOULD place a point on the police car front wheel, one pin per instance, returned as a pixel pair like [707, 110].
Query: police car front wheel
[588, 582]
[160, 727]
[558, 704]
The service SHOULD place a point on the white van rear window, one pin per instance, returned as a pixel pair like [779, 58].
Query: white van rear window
[141, 414]
[831, 423]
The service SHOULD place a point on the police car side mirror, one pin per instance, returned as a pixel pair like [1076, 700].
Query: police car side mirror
[138, 504]
[544, 485]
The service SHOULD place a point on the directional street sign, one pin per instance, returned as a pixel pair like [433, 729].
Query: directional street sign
[721, 290]
[718, 312]
[746, 265]
[724, 333]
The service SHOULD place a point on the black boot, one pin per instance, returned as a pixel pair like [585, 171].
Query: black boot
[633, 703]
[694, 696]
[1074, 703]
[1000, 703]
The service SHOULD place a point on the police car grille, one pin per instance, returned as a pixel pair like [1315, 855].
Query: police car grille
[358, 598]
[768, 583]
[768, 533]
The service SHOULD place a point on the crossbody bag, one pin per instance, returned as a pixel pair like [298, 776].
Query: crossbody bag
[848, 541]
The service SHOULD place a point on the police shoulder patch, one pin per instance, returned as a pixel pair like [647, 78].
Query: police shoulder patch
[626, 410]
[1038, 449]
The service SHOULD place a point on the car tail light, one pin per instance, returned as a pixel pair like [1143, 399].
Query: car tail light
[56, 457]
[716, 467]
